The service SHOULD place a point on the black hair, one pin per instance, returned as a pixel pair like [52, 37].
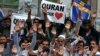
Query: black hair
[68, 19]
[81, 42]
[24, 39]
[35, 20]
[2, 35]
[97, 43]
[84, 22]
[51, 27]
[46, 40]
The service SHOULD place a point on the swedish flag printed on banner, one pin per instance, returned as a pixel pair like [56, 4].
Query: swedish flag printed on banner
[74, 14]
[86, 14]
[83, 7]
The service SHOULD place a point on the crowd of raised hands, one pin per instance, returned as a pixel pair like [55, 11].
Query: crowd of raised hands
[35, 37]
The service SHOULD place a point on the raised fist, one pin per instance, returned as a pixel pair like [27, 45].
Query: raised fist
[14, 49]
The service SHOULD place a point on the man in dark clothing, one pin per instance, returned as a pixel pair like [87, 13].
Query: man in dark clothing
[88, 32]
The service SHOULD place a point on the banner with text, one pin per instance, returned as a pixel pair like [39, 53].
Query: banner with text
[18, 20]
[55, 12]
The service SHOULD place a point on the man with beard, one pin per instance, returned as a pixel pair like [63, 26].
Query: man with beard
[88, 32]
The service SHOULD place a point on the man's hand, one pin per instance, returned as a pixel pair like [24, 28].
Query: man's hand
[1, 48]
[93, 52]
[14, 49]
[28, 10]
[17, 28]
[53, 32]
[80, 38]
[40, 31]
[40, 26]
[94, 13]
[9, 13]
[67, 26]
[44, 10]
[47, 24]
[81, 52]
[34, 27]
[40, 49]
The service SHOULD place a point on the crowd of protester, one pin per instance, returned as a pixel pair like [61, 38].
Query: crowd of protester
[35, 37]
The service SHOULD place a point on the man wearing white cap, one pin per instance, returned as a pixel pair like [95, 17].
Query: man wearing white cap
[61, 40]
[58, 49]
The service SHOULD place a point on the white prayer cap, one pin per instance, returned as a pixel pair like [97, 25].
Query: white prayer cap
[62, 36]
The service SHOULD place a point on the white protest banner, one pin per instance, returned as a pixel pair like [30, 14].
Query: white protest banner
[98, 9]
[68, 6]
[55, 12]
[15, 17]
